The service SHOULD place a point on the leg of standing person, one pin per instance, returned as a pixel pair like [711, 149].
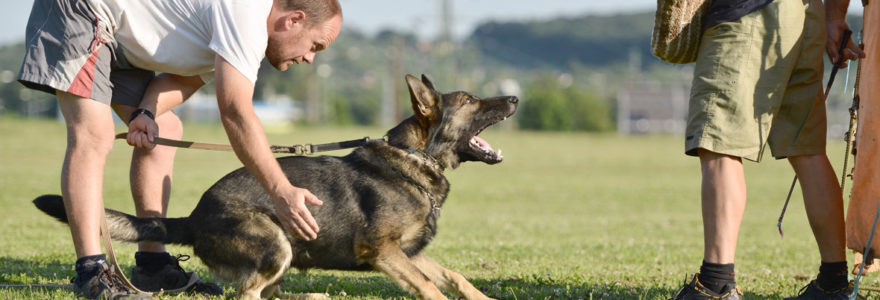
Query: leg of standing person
[67, 54]
[89, 141]
[823, 201]
[151, 173]
[723, 194]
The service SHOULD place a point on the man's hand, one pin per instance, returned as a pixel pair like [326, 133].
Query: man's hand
[290, 205]
[141, 132]
[832, 45]
[835, 25]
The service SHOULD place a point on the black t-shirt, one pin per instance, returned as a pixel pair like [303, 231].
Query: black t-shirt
[721, 11]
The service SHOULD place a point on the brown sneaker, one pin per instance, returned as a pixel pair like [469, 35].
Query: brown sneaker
[696, 291]
[172, 279]
[106, 284]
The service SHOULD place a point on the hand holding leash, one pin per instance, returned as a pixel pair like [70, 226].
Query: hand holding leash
[839, 46]
[142, 128]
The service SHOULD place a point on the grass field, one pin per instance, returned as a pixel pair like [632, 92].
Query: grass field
[565, 216]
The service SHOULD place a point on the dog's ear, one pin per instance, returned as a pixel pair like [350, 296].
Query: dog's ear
[427, 81]
[423, 99]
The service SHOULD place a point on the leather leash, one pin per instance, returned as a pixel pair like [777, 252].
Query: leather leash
[298, 149]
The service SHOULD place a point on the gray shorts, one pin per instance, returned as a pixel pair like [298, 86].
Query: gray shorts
[67, 51]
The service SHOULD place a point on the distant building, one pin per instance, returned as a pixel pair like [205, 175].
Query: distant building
[203, 108]
[652, 110]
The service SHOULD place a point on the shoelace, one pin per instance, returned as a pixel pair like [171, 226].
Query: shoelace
[177, 259]
[113, 282]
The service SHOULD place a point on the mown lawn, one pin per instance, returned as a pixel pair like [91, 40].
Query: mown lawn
[565, 216]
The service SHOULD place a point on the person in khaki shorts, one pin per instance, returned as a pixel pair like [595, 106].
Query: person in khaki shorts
[758, 83]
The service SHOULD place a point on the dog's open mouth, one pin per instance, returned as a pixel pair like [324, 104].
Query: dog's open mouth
[482, 150]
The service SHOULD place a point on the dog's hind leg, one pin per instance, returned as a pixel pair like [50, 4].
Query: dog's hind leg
[447, 279]
[252, 253]
[390, 259]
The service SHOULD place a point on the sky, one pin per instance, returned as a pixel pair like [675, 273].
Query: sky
[419, 16]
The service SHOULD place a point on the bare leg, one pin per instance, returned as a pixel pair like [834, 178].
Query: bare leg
[824, 204]
[724, 203]
[89, 141]
[150, 177]
[447, 279]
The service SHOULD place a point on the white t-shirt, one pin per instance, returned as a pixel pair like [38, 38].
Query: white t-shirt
[182, 36]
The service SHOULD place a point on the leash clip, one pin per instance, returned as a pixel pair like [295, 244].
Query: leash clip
[303, 149]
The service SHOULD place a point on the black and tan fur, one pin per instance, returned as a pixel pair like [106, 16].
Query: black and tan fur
[380, 205]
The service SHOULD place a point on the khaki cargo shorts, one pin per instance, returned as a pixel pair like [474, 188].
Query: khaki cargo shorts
[758, 81]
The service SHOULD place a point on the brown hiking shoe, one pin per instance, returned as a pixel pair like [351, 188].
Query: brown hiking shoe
[172, 279]
[106, 284]
[696, 291]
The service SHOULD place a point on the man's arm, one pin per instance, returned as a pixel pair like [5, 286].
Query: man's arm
[835, 23]
[235, 100]
[164, 92]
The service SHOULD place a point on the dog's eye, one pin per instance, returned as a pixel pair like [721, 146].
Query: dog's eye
[470, 100]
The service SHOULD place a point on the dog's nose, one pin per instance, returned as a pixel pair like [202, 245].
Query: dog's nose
[513, 99]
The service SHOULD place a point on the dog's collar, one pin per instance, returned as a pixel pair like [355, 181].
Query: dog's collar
[426, 158]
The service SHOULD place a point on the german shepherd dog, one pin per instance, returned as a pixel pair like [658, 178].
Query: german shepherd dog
[381, 204]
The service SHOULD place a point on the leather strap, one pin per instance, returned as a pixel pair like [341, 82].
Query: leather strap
[299, 149]
[111, 258]
[111, 255]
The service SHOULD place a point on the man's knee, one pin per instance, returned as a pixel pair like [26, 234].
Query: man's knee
[170, 125]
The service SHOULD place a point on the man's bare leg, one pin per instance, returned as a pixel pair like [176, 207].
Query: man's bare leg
[151, 174]
[824, 204]
[724, 203]
[89, 141]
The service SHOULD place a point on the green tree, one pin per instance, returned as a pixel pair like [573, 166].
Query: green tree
[549, 106]
[544, 108]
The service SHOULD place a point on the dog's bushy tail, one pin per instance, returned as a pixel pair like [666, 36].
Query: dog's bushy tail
[125, 227]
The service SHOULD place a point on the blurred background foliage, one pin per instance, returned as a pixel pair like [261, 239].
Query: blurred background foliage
[567, 72]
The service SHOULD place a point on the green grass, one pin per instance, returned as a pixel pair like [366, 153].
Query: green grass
[565, 216]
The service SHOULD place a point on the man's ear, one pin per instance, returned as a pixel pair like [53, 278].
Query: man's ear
[294, 17]
[423, 99]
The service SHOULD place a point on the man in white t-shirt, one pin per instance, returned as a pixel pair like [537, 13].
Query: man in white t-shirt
[98, 54]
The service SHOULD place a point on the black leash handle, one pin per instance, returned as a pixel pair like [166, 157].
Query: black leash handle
[846, 36]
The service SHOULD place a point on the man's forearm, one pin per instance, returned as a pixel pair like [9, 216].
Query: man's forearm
[835, 10]
[252, 148]
[234, 98]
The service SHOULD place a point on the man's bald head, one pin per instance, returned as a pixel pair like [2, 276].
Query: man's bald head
[318, 11]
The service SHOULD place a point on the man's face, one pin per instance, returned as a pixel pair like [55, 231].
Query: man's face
[301, 42]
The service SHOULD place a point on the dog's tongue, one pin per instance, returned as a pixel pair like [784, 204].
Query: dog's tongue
[484, 145]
